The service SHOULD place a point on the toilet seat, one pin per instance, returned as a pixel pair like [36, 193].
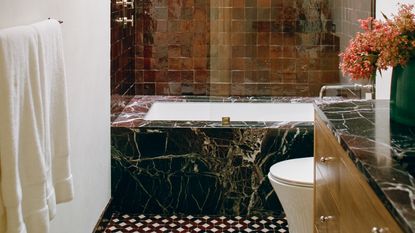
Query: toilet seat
[295, 172]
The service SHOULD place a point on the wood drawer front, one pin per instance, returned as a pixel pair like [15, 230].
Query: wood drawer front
[359, 205]
[359, 209]
[326, 207]
[327, 161]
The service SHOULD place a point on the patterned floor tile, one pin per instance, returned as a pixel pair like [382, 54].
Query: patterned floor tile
[126, 223]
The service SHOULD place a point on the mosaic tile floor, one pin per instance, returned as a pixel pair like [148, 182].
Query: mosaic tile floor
[120, 223]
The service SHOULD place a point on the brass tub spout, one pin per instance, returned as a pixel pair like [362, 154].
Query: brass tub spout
[226, 121]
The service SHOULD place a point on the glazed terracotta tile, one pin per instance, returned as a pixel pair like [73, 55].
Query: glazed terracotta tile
[262, 26]
[148, 62]
[289, 78]
[161, 76]
[231, 39]
[200, 89]
[238, 39]
[238, 51]
[149, 76]
[200, 14]
[139, 88]
[238, 63]
[187, 63]
[175, 88]
[200, 63]
[238, 77]
[201, 76]
[264, 3]
[186, 26]
[238, 89]
[149, 89]
[277, 38]
[276, 51]
[139, 76]
[289, 51]
[187, 76]
[174, 76]
[175, 64]
[263, 51]
[162, 88]
[264, 13]
[186, 14]
[302, 77]
[187, 89]
[263, 38]
[219, 89]
[251, 13]
[174, 51]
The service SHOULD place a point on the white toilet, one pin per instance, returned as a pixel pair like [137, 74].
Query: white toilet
[292, 180]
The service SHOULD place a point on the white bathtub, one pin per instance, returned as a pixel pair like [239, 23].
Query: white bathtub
[213, 111]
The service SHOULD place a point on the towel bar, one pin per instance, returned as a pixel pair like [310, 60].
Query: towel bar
[60, 21]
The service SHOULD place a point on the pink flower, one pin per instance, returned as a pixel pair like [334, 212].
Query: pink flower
[380, 45]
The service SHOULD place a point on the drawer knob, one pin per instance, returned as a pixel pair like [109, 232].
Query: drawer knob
[379, 230]
[326, 159]
[324, 219]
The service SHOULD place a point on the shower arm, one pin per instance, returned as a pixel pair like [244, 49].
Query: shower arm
[348, 87]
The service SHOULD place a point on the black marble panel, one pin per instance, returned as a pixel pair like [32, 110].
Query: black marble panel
[202, 170]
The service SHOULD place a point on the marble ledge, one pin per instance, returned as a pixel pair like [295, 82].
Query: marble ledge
[384, 151]
[129, 111]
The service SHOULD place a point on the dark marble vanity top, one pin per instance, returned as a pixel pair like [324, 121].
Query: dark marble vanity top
[384, 151]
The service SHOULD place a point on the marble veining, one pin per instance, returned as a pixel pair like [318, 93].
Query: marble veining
[384, 151]
[202, 170]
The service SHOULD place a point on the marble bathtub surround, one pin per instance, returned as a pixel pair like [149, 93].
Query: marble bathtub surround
[202, 170]
[381, 149]
[165, 167]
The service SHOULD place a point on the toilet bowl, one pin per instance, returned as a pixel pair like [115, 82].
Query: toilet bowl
[292, 180]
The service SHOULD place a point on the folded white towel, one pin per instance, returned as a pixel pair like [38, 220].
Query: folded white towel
[23, 177]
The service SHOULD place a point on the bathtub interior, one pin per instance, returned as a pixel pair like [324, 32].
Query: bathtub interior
[214, 111]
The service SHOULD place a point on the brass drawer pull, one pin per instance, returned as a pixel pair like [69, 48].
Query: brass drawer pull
[379, 230]
[326, 159]
[325, 219]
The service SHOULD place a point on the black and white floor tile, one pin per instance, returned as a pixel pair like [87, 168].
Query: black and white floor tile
[120, 223]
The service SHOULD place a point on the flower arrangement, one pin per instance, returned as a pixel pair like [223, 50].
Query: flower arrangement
[382, 44]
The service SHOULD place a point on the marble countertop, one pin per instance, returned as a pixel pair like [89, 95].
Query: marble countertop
[384, 151]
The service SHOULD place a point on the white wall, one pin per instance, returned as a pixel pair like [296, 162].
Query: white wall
[86, 36]
[383, 81]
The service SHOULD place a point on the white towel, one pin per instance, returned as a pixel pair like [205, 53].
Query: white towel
[53, 80]
[34, 142]
[23, 177]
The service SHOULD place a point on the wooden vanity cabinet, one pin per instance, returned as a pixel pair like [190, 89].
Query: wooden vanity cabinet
[343, 200]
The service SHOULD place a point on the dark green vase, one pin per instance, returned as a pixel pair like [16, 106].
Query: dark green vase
[402, 100]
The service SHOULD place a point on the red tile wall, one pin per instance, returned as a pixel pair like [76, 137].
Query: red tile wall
[122, 52]
[232, 47]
